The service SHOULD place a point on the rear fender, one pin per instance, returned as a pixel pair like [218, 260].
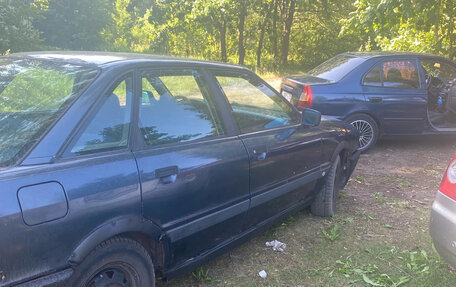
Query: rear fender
[117, 226]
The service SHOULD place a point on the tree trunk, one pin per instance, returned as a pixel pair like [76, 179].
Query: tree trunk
[241, 46]
[274, 32]
[287, 31]
[451, 29]
[262, 30]
[223, 40]
[221, 26]
[437, 24]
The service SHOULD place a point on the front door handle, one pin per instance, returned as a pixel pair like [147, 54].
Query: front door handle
[167, 174]
[260, 152]
[375, 99]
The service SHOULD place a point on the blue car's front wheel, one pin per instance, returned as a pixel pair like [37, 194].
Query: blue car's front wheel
[367, 128]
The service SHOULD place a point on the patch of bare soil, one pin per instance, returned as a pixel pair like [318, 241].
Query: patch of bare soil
[398, 179]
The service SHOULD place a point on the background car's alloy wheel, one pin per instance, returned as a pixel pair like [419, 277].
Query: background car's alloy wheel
[367, 128]
[365, 132]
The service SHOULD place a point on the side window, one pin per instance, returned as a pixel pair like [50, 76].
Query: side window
[438, 68]
[255, 106]
[393, 74]
[400, 74]
[373, 77]
[110, 127]
[176, 107]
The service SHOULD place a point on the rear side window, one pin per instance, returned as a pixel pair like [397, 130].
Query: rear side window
[33, 95]
[176, 106]
[394, 74]
[255, 107]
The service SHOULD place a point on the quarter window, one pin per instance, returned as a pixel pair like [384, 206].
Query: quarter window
[176, 107]
[373, 78]
[255, 107]
[110, 127]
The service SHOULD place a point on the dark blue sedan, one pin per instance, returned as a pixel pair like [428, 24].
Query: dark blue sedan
[380, 93]
[116, 168]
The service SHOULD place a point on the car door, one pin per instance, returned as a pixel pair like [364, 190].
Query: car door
[441, 75]
[285, 156]
[193, 169]
[396, 95]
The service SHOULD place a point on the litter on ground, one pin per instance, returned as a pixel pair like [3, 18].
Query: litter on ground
[276, 245]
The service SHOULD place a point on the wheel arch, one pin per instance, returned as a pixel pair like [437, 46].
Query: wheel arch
[369, 114]
[143, 231]
[342, 147]
[343, 150]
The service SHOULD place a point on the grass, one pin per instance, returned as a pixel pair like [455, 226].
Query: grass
[333, 232]
[202, 275]
[350, 252]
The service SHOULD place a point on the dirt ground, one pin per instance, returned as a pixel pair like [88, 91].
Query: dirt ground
[380, 236]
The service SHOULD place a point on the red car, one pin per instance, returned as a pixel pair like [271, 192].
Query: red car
[443, 216]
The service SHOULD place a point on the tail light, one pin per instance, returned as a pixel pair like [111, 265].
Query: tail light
[306, 99]
[448, 185]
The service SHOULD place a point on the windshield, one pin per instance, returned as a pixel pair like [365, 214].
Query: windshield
[33, 94]
[336, 68]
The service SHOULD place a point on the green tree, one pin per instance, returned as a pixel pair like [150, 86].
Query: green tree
[75, 25]
[406, 25]
[17, 32]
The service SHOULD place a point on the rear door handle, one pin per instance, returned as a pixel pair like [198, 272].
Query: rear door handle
[375, 99]
[260, 152]
[167, 174]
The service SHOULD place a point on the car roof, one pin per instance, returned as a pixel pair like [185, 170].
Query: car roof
[106, 59]
[377, 54]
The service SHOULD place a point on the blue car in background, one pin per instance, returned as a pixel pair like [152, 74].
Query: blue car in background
[117, 168]
[381, 93]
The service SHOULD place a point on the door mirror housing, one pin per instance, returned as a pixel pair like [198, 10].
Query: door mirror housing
[310, 117]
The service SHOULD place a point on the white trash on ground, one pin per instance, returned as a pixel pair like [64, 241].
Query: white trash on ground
[276, 245]
[263, 274]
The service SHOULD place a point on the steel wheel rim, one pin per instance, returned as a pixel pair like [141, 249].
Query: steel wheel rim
[366, 132]
[111, 277]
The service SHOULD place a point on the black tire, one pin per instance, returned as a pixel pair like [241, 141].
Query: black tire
[368, 130]
[119, 261]
[325, 202]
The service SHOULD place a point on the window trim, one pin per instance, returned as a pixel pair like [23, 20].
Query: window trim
[140, 143]
[253, 76]
[67, 154]
[414, 61]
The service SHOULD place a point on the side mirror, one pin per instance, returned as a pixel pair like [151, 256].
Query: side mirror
[310, 117]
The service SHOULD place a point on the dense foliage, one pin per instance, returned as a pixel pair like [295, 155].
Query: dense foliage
[266, 34]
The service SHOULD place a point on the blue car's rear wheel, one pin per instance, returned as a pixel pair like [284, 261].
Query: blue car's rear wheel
[119, 261]
[367, 128]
